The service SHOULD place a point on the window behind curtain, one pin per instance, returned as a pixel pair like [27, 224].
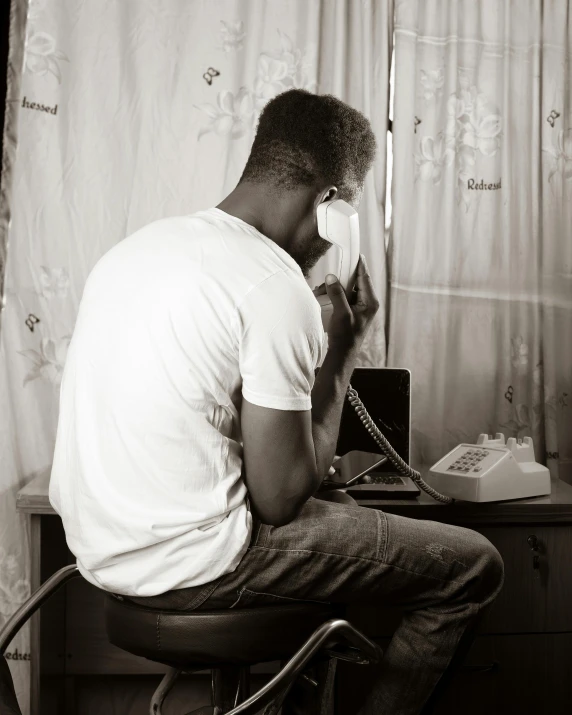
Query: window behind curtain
[389, 155]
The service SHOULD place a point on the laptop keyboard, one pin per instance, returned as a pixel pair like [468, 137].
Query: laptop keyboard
[385, 479]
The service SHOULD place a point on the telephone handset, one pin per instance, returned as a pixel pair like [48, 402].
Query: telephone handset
[338, 223]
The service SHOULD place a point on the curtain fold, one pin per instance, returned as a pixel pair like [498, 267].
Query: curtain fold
[481, 245]
[356, 45]
[14, 534]
[129, 112]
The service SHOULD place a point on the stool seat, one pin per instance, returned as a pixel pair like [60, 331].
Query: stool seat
[208, 639]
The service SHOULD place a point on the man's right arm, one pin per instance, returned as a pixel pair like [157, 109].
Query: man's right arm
[287, 453]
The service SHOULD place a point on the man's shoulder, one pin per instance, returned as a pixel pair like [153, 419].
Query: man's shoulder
[283, 283]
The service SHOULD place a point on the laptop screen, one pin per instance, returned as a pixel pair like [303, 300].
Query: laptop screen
[385, 394]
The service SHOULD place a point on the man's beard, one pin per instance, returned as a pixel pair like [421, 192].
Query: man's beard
[311, 254]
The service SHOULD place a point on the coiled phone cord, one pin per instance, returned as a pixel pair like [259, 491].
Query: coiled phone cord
[401, 466]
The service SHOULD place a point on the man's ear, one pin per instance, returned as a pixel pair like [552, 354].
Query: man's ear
[331, 193]
[328, 194]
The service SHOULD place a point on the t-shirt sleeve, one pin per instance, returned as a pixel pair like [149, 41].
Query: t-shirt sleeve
[281, 342]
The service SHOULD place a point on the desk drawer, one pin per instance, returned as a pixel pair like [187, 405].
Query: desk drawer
[533, 600]
[525, 674]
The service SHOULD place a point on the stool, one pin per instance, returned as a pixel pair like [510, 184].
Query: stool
[227, 642]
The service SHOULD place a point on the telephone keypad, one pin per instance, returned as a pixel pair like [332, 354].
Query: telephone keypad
[469, 460]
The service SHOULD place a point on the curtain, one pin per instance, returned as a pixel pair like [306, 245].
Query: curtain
[128, 112]
[480, 251]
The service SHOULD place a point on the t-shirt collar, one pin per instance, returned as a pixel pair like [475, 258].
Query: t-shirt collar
[284, 255]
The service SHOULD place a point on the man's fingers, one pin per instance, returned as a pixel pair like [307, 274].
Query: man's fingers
[320, 290]
[337, 295]
[362, 268]
[334, 287]
[364, 284]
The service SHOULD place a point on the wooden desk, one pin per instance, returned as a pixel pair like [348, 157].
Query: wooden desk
[529, 626]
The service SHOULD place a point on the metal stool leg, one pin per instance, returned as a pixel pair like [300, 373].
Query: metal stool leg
[230, 687]
[274, 707]
[162, 691]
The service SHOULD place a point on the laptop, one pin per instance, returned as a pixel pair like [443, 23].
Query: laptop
[386, 395]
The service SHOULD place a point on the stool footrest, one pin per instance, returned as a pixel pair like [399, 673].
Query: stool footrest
[347, 653]
[327, 634]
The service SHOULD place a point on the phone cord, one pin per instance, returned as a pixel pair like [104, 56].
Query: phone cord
[401, 466]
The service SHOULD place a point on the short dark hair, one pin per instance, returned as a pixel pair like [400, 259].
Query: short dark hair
[304, 138]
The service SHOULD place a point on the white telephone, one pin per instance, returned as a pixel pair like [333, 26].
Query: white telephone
[491, 471]
[488, 471]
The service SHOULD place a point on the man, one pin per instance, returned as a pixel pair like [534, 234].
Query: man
[194, 433]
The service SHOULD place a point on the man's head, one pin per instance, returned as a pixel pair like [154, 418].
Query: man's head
[308, 149]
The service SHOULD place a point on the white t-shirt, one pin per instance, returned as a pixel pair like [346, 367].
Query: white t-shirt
[176, 323]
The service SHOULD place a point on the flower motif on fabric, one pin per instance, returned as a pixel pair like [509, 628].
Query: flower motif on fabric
[276, 72]
[281, 70]
[271, 77]
[474, 121]
[13, 591]
[553, 403]
[519, 420]
[49, 362]
[432, 82]
[526, 417]
[231, 115]
[54, 282]
[473, 127]
[561, 153]
[232, 35]
[41, 55]
[432, 158]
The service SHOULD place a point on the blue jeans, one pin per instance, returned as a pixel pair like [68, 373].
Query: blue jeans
[441, 576]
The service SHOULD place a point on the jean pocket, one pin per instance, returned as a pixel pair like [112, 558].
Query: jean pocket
[259, 534]
[247, 598]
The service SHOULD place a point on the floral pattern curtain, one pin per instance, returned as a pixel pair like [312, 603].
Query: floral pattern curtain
[124, 112]
[481, 241]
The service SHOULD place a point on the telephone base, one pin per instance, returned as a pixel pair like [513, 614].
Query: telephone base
[491, 470]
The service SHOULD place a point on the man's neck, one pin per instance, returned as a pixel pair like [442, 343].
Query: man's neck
[247, 205]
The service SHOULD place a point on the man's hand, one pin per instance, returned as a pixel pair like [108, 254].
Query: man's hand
[352, 314]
